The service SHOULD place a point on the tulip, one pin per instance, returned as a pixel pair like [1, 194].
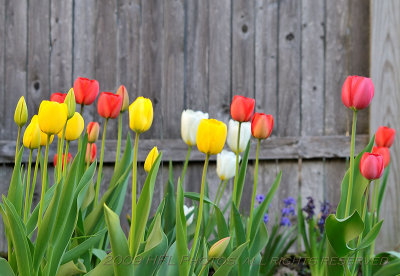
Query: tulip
[74, 128]
[190, 121]
[109, 105]
[21, 112]
[385, 154]
[93, 130]
[245, 133]
[69, 158]
[384, 136]
[218, 248]
[242, 108]
[140, 115]
[226, 165]
[371, 165]
[70, 102]
[125, 98]
[261, 125]
[43, 138]
[150, 159]
[58, 97]
[85, 90]
[31, 138]
[52, 117]
[187, 210]
[357, 92]
[91, 152]
[211, 136]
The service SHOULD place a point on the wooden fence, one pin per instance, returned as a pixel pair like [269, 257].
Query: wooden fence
[291, 56]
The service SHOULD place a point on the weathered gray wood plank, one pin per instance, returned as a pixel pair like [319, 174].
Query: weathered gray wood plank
[2, 63]
[385, 72]
[335, 170]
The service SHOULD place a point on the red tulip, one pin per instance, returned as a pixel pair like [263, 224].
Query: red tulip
[85, 90]
[91, 152]
[242, 108]
[69, 158]
[357, 92]
[371, 165]
[109, 105]
[384, 136]
[385, 154]
[58, 97]
[93, 130]
[261, 125]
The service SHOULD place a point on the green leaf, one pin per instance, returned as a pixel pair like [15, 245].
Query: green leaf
[104, 268]
[15, 191]
[181, 231]
[169, 212]
[5, 268]
[119, 244]
[227, 266]
[169, 266]
[301, 225]
[371, 236]
[260, 241]
[242, 174]
[222, 227]
[390, 269]
[196, 196]
[100, 254]
[70, 269]
[382, 188]
[340, 231]
[383, 257]
[83, 185]
[238, 224]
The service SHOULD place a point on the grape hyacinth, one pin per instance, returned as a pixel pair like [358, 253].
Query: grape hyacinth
[309, 208]
[287, 211]
[260, 198]
[326, 210]
[266, 218]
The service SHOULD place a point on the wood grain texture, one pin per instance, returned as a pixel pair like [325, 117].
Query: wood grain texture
[385, 71]
[2, 61]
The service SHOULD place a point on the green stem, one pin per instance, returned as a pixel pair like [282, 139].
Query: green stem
[101, 164]
[18, 141]
[44, 180]
[351, 173]
[186, 163]
[59, 157]
[204, 267]
[374, 204]
[80, 137]
[213, 207]
[222, 192]
[34, 180]
[201, 203]
[234, 195]
[118, 141]
[133, 215]
[254, 191]
[88, 161]
[28, 181]
[64, 165]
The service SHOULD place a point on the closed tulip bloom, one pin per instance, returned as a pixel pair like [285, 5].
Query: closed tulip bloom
[357, 92]
[85, 90]
[242, 108]
[109, 105]
[125, 98]
[150, 159]
[245, 133]
[43, 136]
[190, 121]
[211, 136]
[52, 117]
[385, 152]
[91, 152]
[74, 128]
[384, 136]
[187, 211]
[70, 102]
[226, 164]
[218, 248]
[21, 112]
[371, 165]
[93, 130]
[58, 97]
[32, 135]
[140, 115]
[261, 125]
[69, 158]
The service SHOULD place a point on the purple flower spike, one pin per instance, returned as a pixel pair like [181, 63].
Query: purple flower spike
[265, 218]
[289, 201]
[260, 198]
[285, 221]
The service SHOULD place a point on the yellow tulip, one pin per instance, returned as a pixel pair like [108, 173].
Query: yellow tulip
[21, 112]
[74, 128]
[43, 136]
[52, 117]
[32, 135]
[150, 159]
[218, 248]
[211, 136]
[140, 115]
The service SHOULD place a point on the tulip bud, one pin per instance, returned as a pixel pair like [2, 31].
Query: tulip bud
[384, 136]
[58, 97]
[70, 102]
[74, 128]
[109, 105]
[242, 108]
[52, 117]
[69, 158]
[190, 121]
[187, 211]
[93, 130]
[91, 152]
[371, 165]
[357, 92]
[43, 136]
[32, 135]
[150, 159]
[245, 133]
[385, 154]
[125, 98]
[261, 125]
[140, 115]
[21, 112]
[85, 90]
[226, 164]
[218, 248]
[211, 136]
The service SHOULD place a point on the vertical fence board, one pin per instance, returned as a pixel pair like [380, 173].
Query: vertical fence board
[335, 170]
[3, 114]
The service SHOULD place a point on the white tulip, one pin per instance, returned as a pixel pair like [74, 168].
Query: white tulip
[226, 164]
[187, 211]
[190, 121]
[245, 133]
